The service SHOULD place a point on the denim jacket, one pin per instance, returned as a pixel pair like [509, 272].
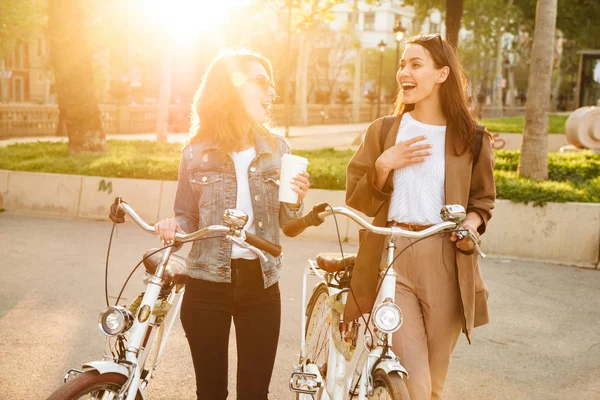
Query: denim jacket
[207, 186]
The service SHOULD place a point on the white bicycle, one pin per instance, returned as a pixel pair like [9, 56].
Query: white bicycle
[136, 335]
[337, 360]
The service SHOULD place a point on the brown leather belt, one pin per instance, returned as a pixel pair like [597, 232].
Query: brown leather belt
[409, 226]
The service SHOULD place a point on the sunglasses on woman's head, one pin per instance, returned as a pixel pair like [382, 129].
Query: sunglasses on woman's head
[434, 36]
[262, 82]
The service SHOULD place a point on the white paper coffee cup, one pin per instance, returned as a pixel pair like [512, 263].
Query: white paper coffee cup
[290, 165]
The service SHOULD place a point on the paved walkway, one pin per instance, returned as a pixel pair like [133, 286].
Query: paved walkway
[301, 137]
[543, 341]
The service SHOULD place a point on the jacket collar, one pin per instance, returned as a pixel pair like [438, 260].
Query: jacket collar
[261, 144]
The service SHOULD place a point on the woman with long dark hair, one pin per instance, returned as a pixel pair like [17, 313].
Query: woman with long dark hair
[232, 161]
[433, 154]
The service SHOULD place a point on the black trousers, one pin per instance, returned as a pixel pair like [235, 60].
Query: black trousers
[206, 314]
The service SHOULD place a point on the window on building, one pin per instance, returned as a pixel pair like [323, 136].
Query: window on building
[18, 59]
[18, 90]
[369, 21]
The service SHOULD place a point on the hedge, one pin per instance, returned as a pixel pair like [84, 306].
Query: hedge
[573, 177]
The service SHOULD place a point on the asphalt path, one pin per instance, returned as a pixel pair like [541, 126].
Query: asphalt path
[543, 341]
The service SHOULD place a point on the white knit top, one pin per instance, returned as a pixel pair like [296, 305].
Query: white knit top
[418, 194]
[242, 161]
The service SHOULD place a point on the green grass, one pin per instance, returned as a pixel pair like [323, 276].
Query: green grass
[573, 176]
[125, 159]
[556, 124]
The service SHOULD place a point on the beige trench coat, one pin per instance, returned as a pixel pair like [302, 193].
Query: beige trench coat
[470, 186]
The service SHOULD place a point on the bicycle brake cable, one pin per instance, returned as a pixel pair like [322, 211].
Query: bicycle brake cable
[394, 260]
[135, 268]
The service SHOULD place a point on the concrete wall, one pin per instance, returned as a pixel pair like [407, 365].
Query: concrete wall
[97, 194]
[3, 186]
[42, 193]
[566, 233]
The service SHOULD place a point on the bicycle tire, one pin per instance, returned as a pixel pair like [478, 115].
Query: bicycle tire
[317, 306]
[88, 383]
[389, 386]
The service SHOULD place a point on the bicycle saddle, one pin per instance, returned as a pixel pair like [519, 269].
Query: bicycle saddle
[333, 262]
[175, 271]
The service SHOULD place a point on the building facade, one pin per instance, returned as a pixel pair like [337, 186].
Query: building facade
[26, 75]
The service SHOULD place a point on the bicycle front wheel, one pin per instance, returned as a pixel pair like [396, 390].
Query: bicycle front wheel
[317, 335]
[91, 385]
[389, 386]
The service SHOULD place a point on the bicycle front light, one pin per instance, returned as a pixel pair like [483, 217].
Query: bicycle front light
[387, 317]
[115, 320]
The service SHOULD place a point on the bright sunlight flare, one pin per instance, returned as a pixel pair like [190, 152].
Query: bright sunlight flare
[184, 20]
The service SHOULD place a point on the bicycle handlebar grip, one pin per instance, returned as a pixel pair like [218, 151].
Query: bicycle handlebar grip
[117, 215]
[298, 226]
[263, 244]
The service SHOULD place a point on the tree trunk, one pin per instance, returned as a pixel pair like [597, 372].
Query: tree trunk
[454, 11]
[534, 150]
[72, 64]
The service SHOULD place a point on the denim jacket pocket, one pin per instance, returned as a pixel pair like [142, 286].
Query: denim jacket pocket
[270, 181]
[209, 186]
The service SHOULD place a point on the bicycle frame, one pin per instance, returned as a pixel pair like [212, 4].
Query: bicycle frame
[338, 384]
[139, 330]
[150, 328]
[307, 378]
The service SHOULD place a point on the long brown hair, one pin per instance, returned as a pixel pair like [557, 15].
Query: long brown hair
[459, 120]
[218, 115]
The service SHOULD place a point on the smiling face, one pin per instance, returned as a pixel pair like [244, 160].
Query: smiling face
[257, 93]
[418, 75]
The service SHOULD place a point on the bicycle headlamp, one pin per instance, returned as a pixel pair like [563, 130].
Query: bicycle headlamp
[387, 317]
[115, 320]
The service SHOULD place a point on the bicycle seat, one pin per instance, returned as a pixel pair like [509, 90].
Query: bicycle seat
[333, 262]
[175, 271]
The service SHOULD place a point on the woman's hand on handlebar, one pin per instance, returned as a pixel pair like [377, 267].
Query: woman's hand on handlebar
[466, 244]
[166, 229]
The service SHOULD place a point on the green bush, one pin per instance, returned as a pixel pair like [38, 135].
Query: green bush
[327, 167]
[573, 177]
[574, 167]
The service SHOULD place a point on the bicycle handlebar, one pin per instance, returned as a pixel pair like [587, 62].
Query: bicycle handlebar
[263, 244]
[319, 212]
[119, 208]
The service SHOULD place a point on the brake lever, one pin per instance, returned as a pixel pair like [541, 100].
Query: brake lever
[463, 233]
[477, 248]
[240, 241]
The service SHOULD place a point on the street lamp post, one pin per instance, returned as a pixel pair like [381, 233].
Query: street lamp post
[399, 35]
[381, 46]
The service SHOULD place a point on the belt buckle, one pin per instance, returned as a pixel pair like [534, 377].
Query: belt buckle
[412, 227]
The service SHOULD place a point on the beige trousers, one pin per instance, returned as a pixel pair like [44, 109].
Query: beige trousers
[427, 293]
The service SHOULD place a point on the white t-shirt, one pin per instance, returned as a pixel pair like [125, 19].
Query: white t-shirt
[418, 194]
[242, 161]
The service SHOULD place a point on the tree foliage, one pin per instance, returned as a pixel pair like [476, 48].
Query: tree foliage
[577, 19]
[20, 20]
